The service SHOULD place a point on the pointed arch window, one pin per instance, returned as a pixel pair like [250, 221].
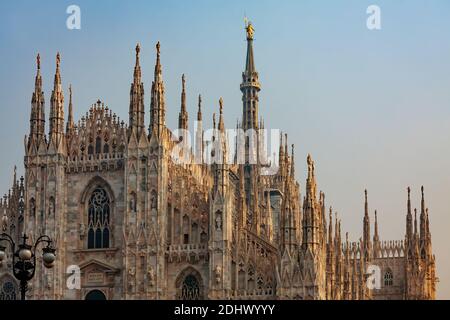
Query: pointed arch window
[99, 211]
[8, 290]
[388, 278]
[190, 289]
[203, 237]
[98, 145]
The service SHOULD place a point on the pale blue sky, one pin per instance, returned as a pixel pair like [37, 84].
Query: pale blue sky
[372, 107]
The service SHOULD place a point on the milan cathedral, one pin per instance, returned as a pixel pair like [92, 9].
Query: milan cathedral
[140, 226]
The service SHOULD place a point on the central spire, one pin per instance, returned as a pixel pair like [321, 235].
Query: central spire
[250, 63]
[250, 85]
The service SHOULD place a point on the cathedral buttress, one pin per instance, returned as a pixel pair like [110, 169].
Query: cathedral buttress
[221, 213]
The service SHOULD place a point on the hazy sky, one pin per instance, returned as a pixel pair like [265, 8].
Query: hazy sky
[372, 107]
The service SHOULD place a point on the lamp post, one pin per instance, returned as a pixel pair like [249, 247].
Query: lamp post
[24, 258]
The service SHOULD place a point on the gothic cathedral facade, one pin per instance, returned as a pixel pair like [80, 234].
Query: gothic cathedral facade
[140, 226]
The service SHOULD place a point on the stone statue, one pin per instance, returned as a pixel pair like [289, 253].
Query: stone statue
[4, 221]
[153, 201]
[131, 277]
[151, 276]
[82, 230]
[51, 208]
[250, 31]
[218, 273]
[219, 221]
[132, 204]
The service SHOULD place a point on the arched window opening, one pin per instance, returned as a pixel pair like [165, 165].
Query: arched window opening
[388, 278]
[203, 237]
[194, 233]
[90, 149]
[98, 145]
[98, 219]
[189, 285]
[190, 289]
[106, 148]
[95, 295]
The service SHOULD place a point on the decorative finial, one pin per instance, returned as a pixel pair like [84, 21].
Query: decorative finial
[365, 194]
[70, 91]
[221, 105]
[58, 60]
[199, 102]
[422, 192]
[38, 61]
[214, 120]
[138, 49]
[183, 81]
[158, 47]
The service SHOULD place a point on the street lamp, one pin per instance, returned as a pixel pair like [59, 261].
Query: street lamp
[24, 259]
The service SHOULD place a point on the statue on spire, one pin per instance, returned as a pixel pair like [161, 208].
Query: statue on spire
[250, 30]
[158, 48]
[58, 60]
[138, 49]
